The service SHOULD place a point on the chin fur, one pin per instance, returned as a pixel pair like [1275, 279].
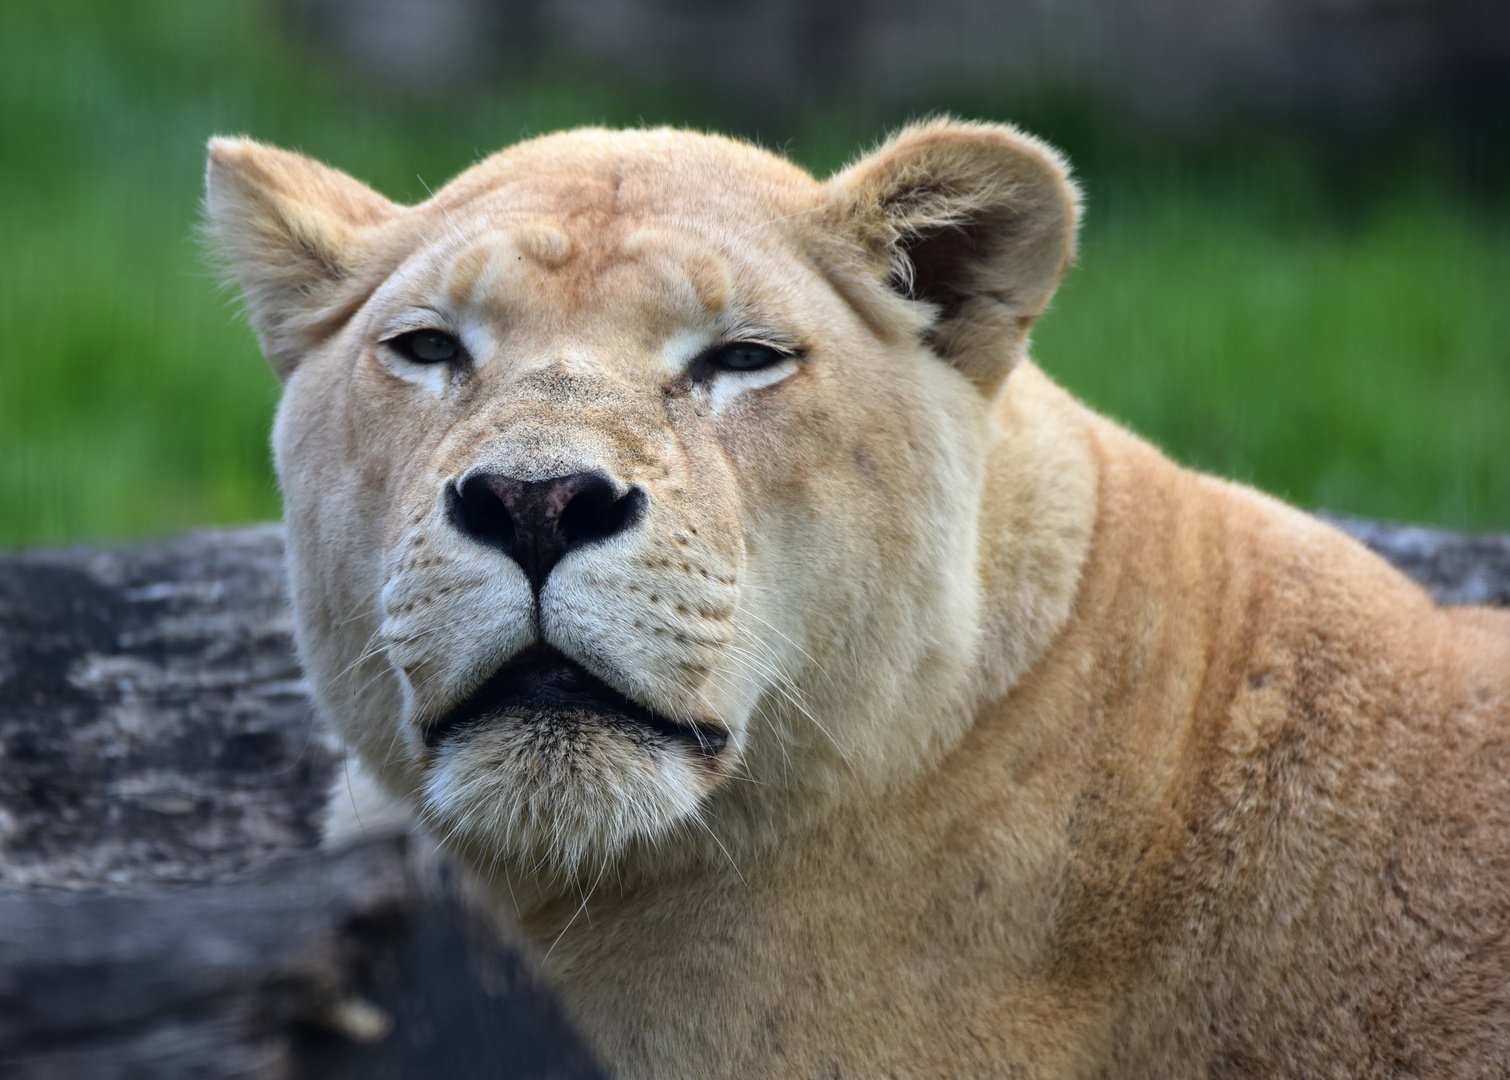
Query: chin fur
[560, 795]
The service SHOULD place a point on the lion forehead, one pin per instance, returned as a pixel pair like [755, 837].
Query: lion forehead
[547, 277]
[593, 173]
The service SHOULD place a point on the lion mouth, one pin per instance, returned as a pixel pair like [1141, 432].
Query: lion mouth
[544, 684]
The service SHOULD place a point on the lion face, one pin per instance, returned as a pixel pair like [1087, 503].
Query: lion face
[633, 480]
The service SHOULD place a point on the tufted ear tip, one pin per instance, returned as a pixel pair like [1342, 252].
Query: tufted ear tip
[224, 158]
[977, 221]
[222, 149]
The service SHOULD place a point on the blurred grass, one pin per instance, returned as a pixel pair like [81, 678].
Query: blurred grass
[1363, 368]
[1342, 342]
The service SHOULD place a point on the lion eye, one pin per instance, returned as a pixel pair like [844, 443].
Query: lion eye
[745, 356]
[427, 347]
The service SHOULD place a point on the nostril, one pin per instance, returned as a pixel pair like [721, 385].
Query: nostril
[536, 522]
[596, 512]
[478, 511]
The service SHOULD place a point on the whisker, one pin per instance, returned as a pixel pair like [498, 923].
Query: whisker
[697, 816]
[791, 692]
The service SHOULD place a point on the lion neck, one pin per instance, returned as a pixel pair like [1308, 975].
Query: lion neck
[1038, 518]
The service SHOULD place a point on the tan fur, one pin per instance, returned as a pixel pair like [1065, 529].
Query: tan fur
[1046, 757]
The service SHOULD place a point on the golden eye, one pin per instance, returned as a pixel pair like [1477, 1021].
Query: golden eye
[428, 347]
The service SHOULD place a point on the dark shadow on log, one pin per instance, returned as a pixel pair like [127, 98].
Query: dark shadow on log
[165, 912]
[352, 965]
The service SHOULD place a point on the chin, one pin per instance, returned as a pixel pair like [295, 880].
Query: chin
[547, 768]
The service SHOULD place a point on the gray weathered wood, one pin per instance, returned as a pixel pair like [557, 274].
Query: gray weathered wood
[1457, 568]
[154, 723]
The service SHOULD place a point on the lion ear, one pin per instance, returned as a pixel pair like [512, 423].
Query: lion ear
[975, 220]
[298, 239]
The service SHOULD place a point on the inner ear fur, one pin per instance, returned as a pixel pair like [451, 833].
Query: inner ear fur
[975, 220]
[299, 238]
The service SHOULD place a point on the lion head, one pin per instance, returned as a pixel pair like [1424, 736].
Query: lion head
[634, 480]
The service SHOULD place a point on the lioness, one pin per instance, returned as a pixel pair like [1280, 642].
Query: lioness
[690, 545]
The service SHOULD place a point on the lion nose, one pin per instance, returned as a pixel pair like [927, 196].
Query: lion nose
[536, 522]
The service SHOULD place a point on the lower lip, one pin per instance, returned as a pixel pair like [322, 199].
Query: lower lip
[547, 682]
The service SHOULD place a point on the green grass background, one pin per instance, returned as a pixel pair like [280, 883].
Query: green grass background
[1325, 319]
